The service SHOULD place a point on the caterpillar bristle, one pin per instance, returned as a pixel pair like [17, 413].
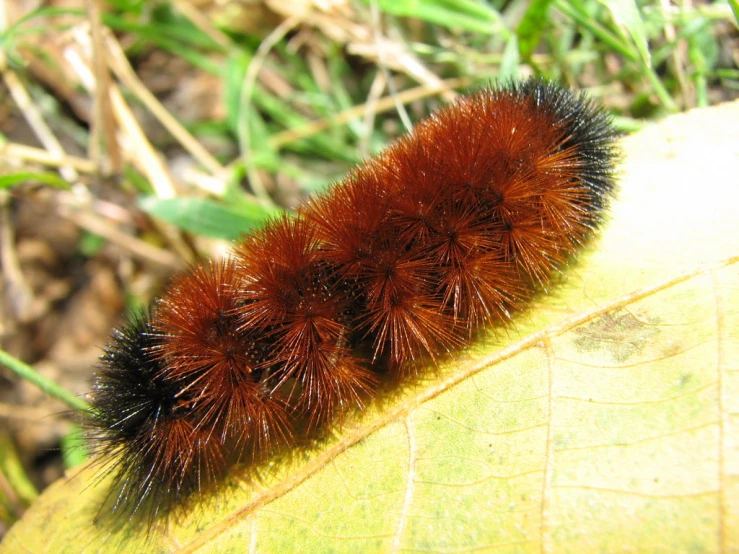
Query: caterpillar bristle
[288, 293]
[140, 418]
[219, 362]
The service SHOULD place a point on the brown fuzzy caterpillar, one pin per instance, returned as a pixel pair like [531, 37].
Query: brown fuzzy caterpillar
[452, 228]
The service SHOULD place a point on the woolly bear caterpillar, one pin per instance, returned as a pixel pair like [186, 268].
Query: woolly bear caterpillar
[452, 228]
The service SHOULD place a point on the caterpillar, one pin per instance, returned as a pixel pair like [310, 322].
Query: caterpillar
[450, 230]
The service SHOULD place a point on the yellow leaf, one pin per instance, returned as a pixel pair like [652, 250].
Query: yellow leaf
[607, 420]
